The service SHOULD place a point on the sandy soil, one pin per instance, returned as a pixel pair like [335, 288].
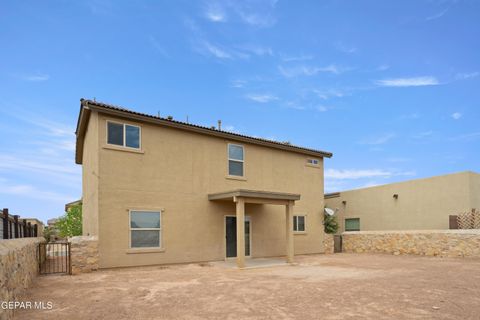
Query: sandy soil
[340, 286]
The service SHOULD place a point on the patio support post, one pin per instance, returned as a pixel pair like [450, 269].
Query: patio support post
[240, 208]
[289, 231]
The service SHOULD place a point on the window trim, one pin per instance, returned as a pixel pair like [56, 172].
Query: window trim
[295, 217]
[124, 125]
[160, 230]
[235, 160]
[345, 224]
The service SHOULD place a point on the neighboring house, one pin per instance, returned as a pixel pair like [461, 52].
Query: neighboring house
[40, 225]
[72, 204]
[411, 205]
[53, 230]
[159, 191]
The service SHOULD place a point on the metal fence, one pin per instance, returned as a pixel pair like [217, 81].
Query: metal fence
[12, 227]
[54, 257]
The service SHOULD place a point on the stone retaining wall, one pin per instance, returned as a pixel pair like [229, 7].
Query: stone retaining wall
[84, 254]
[18, 268]
[443, 243]
[328, 243]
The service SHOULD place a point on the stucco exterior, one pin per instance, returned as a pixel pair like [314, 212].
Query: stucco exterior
[422, 204]
[174, 171]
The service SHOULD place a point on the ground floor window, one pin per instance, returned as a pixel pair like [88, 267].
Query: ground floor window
[299, 223]
[352, 224]
[145, 229]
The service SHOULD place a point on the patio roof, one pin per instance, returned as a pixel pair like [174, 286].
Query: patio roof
[254, 194]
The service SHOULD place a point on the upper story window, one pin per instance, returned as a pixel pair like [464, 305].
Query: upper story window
[124, 135]
[235, 160]
[313, 162]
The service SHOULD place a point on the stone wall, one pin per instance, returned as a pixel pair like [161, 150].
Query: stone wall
[328, 243]
[443, 243]
[18, 268]
[84, 254]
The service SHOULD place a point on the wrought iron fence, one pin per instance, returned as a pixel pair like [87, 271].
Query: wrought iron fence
[54, 257]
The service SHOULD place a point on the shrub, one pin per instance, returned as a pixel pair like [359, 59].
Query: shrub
[330, 223]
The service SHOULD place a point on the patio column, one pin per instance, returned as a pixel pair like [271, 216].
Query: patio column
[240, 232]
[289, 231]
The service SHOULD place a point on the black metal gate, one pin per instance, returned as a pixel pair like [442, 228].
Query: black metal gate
[54, 258]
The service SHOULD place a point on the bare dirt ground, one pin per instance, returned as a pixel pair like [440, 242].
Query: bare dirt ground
[340, 286]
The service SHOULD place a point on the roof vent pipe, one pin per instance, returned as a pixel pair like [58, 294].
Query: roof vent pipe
[219, 125]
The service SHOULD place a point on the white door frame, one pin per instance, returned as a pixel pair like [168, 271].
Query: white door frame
[247, 218]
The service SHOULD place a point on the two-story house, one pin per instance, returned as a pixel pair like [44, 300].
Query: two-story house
[159, 191]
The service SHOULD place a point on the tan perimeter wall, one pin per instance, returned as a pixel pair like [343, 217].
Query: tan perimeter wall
[18, 268]
[421, 204]
[174, 172]
[443, 243]
[328, 243]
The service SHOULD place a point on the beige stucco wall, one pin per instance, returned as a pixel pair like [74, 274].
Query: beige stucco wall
[90, 175]
[175, 172]
[421, 204]
[474, 190]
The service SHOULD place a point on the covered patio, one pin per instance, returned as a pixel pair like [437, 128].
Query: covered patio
[241, 197]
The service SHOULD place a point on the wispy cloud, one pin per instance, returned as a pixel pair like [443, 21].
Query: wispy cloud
[295, 105]
[261, 98]
[253, 13]
[36, 77]
[323, 108]
[378, 140]
[304, 70]
[383, 67]
[157, 46]
[363, 173]
[238, 83]
[206, 48]
[302, 57]
[437, 15]
[256, 49]
[408, 82]
[329, 93]
[230, 128]
[410, 116]
[30, 191]
[456, 115]
[423, 134]
[340, 46]
[464, 76]
[215, 12]
[466, 137]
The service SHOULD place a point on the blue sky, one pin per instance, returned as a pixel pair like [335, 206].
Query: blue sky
[392, 88]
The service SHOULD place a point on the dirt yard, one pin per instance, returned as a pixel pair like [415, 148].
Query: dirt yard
[340, 286]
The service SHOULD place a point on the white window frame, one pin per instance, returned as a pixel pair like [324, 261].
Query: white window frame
[125, 124]
[295, 217]
[310, 162]
[130, 229]
[235, 160]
